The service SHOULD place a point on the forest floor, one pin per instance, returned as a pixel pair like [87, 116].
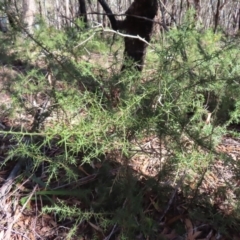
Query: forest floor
[25, 221]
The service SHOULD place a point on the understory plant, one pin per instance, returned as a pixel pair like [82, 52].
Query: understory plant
[76, 119]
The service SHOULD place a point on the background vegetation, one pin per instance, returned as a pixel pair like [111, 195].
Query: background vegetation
[109, 154]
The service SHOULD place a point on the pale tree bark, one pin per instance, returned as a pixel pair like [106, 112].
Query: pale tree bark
[29, 12]
[67, 13]
[98, 11]
[104, 20]
[208, 13]
[57, 18]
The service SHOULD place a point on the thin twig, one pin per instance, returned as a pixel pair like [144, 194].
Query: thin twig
[111, 233]
[86, 40]
[6, 187]
[17, 216]
[19, 187]
[16, 232]
[115, 225]
[128, 36]
[172, 198]
[124, 15]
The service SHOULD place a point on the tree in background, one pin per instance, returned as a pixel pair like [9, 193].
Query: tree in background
[83, 11]
[138, 22]
[29, 12]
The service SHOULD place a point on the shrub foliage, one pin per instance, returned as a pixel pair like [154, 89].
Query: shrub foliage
[73, 111]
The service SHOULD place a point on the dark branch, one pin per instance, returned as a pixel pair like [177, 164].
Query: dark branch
[82, 10]
[124, 15]
[111, 17]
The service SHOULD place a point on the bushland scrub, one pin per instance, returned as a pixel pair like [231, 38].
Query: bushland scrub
[122, 155]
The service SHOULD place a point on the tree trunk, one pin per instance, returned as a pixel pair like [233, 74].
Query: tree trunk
[12, 13]
[29, 11]
[83, 11]
[138, 22]
[98, 11]
[111, 17]
[67, 14]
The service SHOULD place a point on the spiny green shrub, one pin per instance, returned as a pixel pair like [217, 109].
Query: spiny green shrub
[86, 114]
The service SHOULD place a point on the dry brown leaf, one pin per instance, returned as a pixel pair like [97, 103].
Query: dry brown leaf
[21, 187]
[193, 185]
[95, 227]
[236, 237]
[209, 236]
[3, 172]
[98, 165]
[173, 220]
[191, 234]
[168, 234]
[45, 229]
[19, 224]
[46, 216]
[53, 223]
[212, 238]
[44, 223]
[171, 235]
[165, 231]
[31, 236]
[196, 234]
[188, 226]
[81, 169]
[27, 221]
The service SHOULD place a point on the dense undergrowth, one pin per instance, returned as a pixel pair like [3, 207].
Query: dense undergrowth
[75, 116]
